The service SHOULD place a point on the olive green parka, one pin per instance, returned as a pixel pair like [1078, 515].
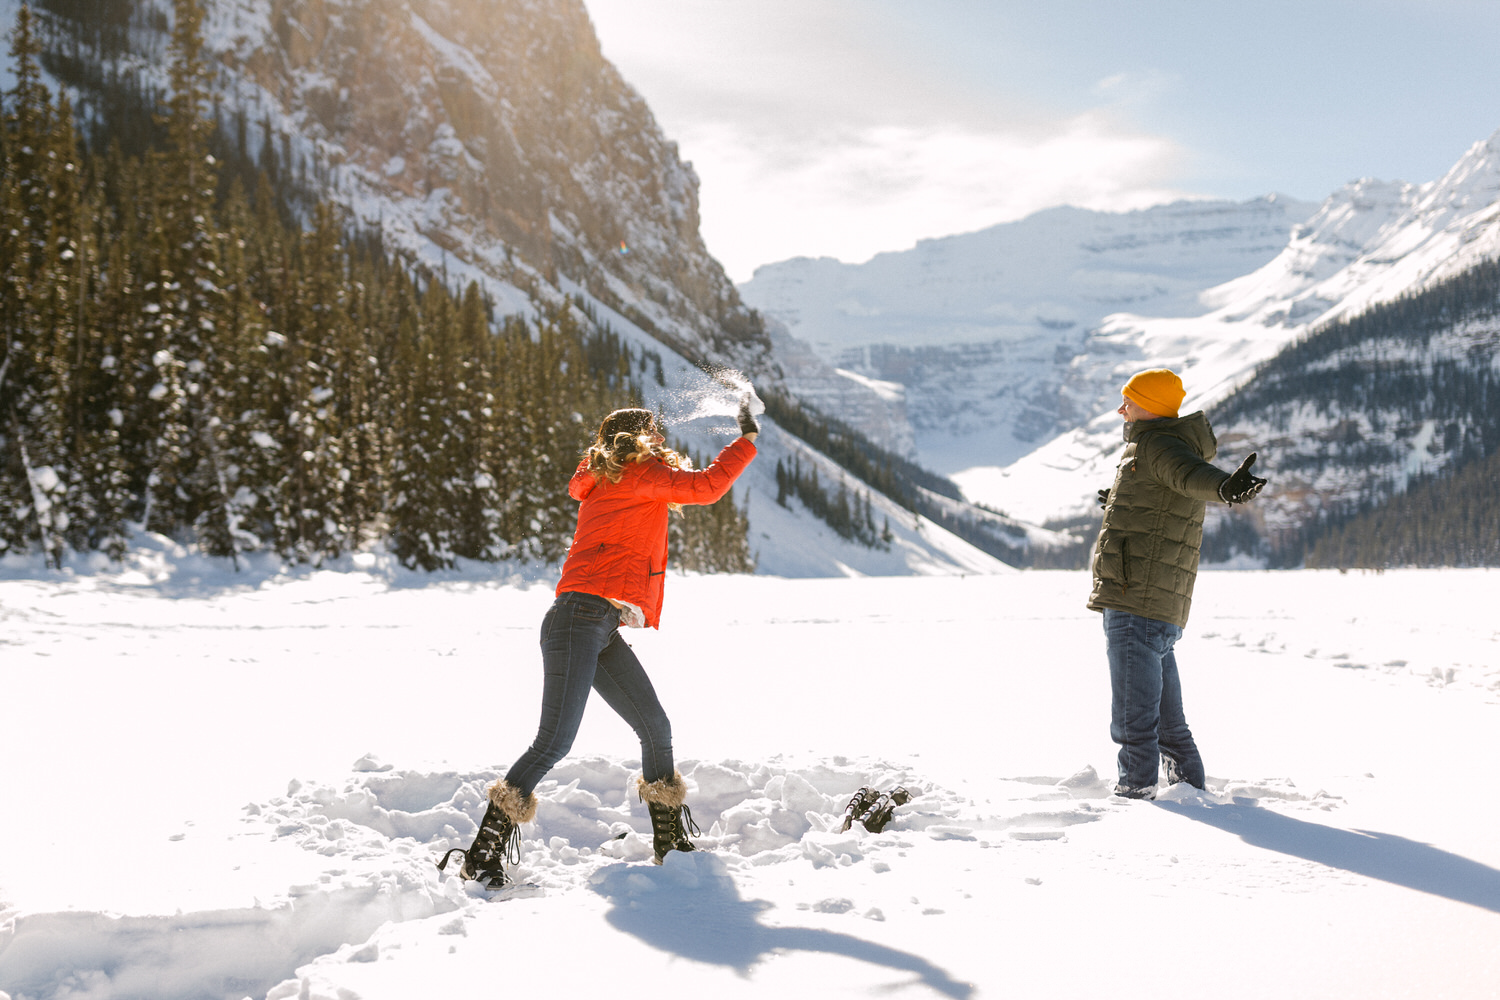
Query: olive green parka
[1146, 559]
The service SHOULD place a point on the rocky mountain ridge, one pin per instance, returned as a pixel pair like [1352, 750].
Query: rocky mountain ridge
[489, 140]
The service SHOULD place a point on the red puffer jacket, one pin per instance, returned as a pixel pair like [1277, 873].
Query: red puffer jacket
[620, 548]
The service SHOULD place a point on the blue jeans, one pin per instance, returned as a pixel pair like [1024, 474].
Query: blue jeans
[1146, 717]
[582, 650]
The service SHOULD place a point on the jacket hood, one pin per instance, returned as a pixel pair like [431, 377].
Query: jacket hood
[1193, 428]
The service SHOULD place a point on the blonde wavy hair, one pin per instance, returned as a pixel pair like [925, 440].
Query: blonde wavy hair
[630, 436]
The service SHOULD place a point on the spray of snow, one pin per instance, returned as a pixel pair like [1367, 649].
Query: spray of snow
[716, 395]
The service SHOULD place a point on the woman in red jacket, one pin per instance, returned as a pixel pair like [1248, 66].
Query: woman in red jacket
[613, 576]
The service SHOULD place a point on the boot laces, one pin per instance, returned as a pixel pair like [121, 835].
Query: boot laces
[497, 843]
[685, 824]
[671, 826]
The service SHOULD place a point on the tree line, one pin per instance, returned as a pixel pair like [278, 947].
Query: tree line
[181, 354]
[1445, 521]
[850, 515]
[1381, 369]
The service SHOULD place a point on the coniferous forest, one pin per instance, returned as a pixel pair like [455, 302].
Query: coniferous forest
[1383, 370]
[185, 354]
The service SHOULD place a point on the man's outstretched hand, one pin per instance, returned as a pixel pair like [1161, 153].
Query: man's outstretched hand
[1241, 486]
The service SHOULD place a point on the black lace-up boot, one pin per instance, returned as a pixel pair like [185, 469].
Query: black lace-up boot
[862, 801]
[498, 841]
[883, 809]
[671, 819]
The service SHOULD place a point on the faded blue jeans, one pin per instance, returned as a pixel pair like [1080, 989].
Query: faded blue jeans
[1146, 717]
[582, 651]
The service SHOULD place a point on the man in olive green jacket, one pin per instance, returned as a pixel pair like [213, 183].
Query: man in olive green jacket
[1145, 565]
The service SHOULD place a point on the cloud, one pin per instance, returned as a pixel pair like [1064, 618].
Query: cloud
[861, 191]
[1137, 87]
[821, 127]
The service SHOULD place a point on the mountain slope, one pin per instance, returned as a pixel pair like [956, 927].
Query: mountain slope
[496, 133]
[492, 143]
[1369, 243]
[1405, 393]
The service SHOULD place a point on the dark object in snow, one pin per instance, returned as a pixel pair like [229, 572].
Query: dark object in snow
[1104, 497]
[862, 800]
[884, 808]
[874, 809]
[1136, 791]
[1174, 774]
[496, 842]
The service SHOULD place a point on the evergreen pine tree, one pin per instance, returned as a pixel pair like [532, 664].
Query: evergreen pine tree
[38, 209]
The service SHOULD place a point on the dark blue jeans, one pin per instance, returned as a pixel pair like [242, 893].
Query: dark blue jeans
[582, 650]
[1146, 717]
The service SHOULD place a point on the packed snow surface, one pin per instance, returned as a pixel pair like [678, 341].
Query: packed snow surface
[221, 785]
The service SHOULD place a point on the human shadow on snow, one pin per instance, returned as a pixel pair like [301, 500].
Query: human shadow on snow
[691, 907]
[1376, 855]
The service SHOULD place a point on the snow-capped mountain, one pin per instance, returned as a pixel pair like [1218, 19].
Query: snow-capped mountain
[1011, 381]
[1370, 243]
[975, 336]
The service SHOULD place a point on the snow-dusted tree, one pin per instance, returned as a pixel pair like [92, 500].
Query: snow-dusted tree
[479, 470]
[419, 471]
[40, 308]
[189, 483]
[547, 389]
[323, 380]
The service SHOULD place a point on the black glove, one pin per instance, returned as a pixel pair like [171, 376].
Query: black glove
[746, 419]
[1104, 497]
[1241, 486]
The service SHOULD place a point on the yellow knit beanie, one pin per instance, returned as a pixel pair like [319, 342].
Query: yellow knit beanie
[1157, 390]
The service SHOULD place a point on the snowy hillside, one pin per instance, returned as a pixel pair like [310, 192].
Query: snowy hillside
[225, 786]
[1364, 409]
[489, 140]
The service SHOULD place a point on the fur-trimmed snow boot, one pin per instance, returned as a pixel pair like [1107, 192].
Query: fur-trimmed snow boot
[671, 819]
[498, 840]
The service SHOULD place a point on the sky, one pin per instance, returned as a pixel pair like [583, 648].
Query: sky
[849, 127]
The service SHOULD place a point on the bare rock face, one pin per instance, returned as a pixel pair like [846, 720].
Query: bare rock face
[520, 140]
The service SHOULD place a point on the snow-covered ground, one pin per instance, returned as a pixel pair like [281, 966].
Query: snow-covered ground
[221, 786]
